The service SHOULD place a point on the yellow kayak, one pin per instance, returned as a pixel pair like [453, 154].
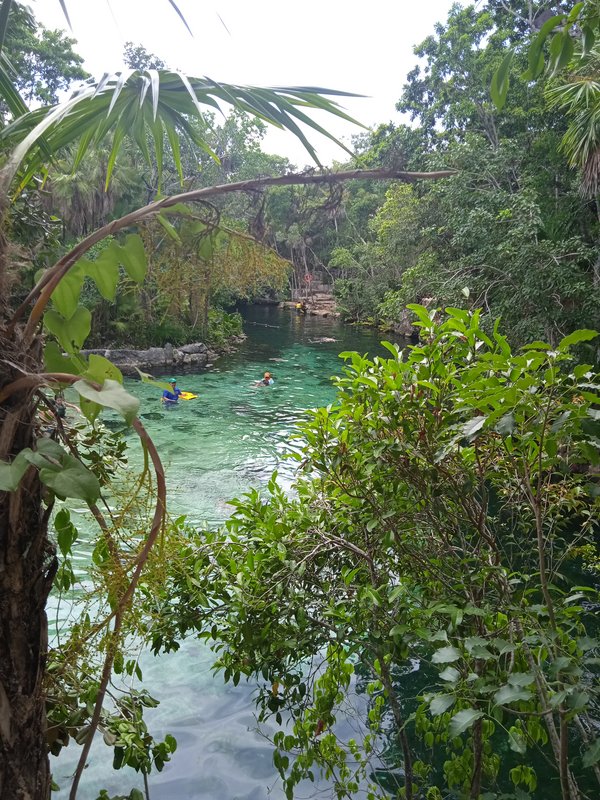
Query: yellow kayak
[188, 396]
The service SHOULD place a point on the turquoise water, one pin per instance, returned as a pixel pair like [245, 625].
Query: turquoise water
[214, 448]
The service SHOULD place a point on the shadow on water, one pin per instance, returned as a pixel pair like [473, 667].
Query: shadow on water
[227, 441]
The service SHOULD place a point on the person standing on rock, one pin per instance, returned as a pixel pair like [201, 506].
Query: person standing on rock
[171, 396]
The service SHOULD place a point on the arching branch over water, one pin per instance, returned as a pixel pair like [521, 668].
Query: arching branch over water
[43, 289]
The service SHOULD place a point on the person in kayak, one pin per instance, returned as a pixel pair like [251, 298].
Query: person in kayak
[171, 396]
[267, 380]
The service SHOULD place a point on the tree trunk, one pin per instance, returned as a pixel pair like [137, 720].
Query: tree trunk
[27, 568]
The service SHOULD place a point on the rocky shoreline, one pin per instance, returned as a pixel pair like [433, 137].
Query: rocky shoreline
[167, 358]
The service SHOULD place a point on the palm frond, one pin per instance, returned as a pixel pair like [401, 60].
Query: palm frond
[579, 99]
[123, 106]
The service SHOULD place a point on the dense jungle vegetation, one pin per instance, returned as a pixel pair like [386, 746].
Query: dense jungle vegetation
[439, 552]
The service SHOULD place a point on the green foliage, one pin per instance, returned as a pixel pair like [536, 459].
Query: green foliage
[59, 471]
[222, 326]
[433, 497]
[44, 63]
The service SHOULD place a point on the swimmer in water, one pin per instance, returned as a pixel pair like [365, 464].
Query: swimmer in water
[267, 380]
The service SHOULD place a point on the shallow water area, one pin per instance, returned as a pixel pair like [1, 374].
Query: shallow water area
[214, 448]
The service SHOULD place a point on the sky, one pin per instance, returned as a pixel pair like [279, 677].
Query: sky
[361, 47]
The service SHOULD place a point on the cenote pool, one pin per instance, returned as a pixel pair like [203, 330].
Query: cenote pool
[216, 447]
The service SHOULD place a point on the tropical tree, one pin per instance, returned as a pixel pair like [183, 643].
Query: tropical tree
[43, 63]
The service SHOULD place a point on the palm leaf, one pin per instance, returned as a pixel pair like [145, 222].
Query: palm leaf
[4, 12]
[8, 91]
[179, 99]
[180, 15]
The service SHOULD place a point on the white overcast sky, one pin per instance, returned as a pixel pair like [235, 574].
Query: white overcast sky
[362, 47]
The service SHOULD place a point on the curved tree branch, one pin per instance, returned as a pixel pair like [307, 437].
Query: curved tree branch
[43, 289]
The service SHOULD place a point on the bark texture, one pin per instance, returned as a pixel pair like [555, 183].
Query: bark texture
[27, 567]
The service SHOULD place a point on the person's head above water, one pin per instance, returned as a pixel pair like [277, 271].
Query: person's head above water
[267, 375]
[173, 381]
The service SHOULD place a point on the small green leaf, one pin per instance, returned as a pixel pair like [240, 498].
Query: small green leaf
[521, 678]
[463, 720]
[446, 655]
[441, 703]
[561, 51]
[592, 755]
[145, 377]
[66, 532]
[169, 228]
[473, 425]
[516, 741]
[422, 314]
[583, 335]
[450, 674]
[506, 424]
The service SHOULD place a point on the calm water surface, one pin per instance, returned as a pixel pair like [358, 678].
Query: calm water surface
[214, 448]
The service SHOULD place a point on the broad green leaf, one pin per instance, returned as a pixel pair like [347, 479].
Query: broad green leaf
[55, 361]
[441, 703]
[500, 81]
[517, 741]
[133, 257]
[592, 755]
[521, 678]
[510, 694]
[71, 479]
[71, 333]
[588, 38]
[101, 368]
[104, 271]
[206, 247]
[561, 51]
[575, 12]
[583, 335]
[62, 472]
[89, 409]
[463, 720]
[11, 474]
[112, 395]
[536, 48]
[581, 370]
[65, 297]
[446, 655]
